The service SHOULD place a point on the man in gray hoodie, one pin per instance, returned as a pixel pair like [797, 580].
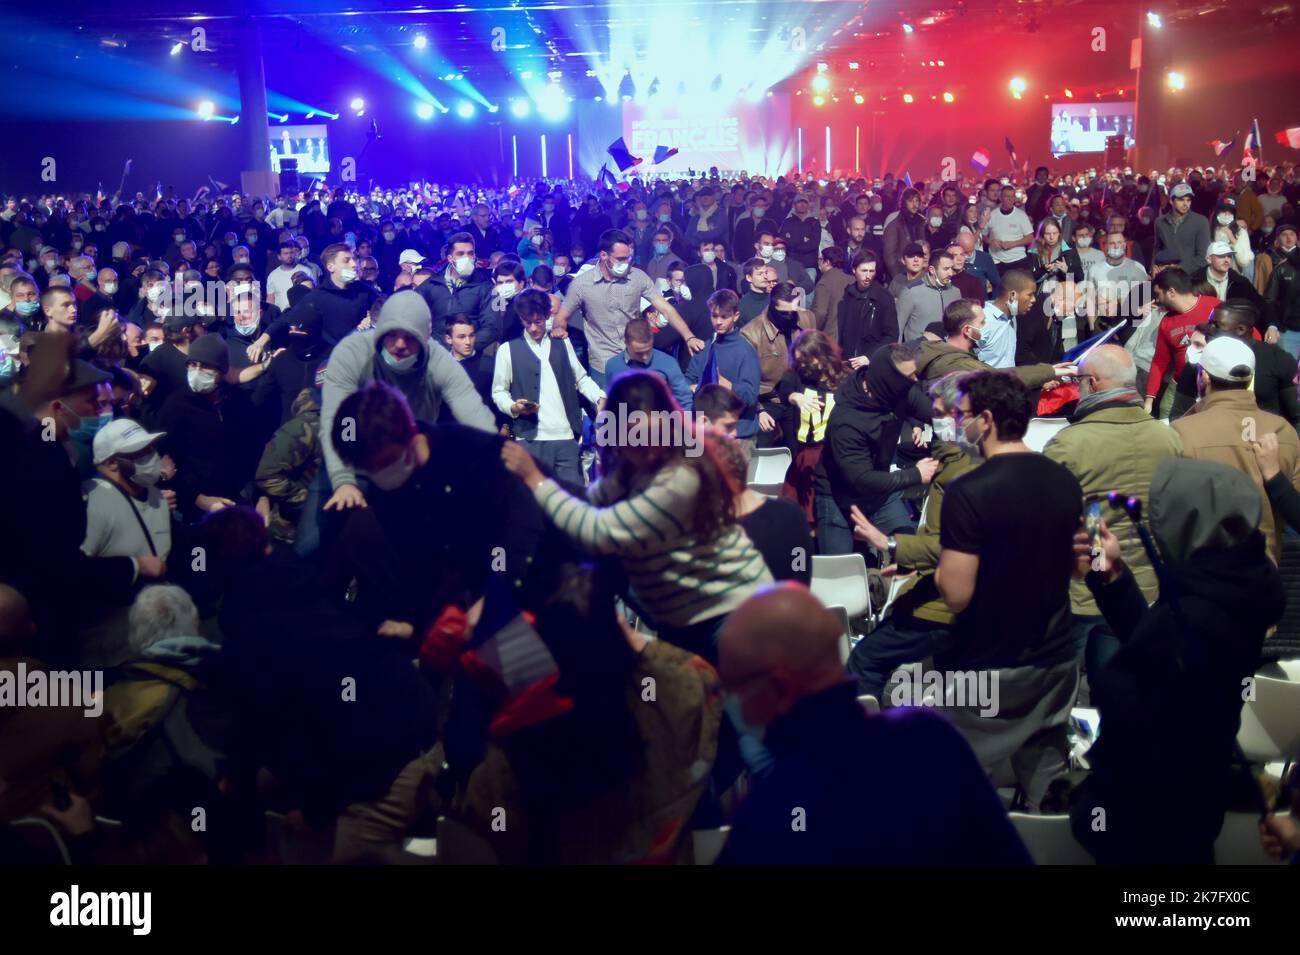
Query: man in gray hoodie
[400, 352]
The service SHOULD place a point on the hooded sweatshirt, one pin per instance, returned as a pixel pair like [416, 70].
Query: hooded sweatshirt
[1171, 697]
[434, 378]
[862, 436]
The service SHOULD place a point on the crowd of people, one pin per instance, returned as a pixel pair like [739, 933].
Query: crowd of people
[265, 454]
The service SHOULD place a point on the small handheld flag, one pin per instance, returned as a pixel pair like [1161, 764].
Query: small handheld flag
[1253, 140]
[980, 159]
[663, 153]
[1011, 150]
[1290, 137]
[1222, 148]
[622, 158]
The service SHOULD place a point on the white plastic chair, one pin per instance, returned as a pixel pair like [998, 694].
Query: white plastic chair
[847, 637]
[1041, 430]
[1270, 723]
[767, 470]
[1049, 839]
[708, 844]
[840, 580]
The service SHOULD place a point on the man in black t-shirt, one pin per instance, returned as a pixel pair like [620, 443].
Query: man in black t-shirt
[1004, 567]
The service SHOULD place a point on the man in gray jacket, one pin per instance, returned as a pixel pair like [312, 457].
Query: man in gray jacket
[922, 303]
[1182, 230]
[401, 353]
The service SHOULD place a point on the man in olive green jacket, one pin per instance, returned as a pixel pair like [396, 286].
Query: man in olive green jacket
[920, 621]
[963, 322]
[1111, 444]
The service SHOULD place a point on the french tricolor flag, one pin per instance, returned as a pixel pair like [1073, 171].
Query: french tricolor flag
[1253, 140]
[980, 159]
[1290, 137]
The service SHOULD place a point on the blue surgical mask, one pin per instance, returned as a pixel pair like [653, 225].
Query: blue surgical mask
[661, 248]
[733, 708]
[25, 309]
[89, 427]
[400, 364]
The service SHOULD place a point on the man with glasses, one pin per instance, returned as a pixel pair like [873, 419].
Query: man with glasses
[608, 297]
[1005, 564]
[536, 384]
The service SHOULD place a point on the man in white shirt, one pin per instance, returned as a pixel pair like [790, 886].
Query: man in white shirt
[1008, 233]
[536, 383]
[126, 514]
[280, 279]
[1117, 276]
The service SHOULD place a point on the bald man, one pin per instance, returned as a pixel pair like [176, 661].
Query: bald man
[845, 787]
[1112, 444]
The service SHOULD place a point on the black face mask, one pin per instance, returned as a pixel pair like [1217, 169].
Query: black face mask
[889, 386]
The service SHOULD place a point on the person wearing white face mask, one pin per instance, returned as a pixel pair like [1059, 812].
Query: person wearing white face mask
[1225, 227]
[126, 514]
[609, 296]
[213, 432]
[340, 302]
[997, 342]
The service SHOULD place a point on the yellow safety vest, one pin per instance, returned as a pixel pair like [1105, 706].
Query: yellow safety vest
[813, 419]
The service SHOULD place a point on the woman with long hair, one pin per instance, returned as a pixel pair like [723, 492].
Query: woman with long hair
[1052, 257]
[664, 506]
[817, 369]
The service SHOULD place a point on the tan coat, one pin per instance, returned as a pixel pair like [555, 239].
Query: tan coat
[773, 348]
[1219, 428]
[1115, 449]
[827, 295]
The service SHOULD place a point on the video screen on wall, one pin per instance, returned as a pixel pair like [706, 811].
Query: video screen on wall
[1084, 127]
[308, 144]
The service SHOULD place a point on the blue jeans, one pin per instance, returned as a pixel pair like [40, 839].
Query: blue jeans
[561, 457]
[1096, 643]
[897, 641]
[1291, 342]
[835, 530]
[307, 536]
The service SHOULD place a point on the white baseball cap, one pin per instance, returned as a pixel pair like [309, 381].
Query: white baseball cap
[410, 255]
[122, 436]
[1226, 358]
[1219, 248]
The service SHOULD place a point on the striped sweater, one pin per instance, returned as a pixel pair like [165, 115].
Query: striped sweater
[677, 577]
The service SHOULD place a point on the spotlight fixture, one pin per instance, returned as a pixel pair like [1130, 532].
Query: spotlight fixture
[908, 28]
[859, 99]
[907, 97]
[521, 108]
[1154, 21]
[357, 104]
[421, 41]
[493, 108]
[819, 100]
[177, 47]
[206, 109]
[948, 97]
[1177, 81]
[820, 84]
[853, 64]
[424, 110]
[465, 109]
[1069, 94]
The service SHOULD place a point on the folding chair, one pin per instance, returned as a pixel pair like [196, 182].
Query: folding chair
[767, 470]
